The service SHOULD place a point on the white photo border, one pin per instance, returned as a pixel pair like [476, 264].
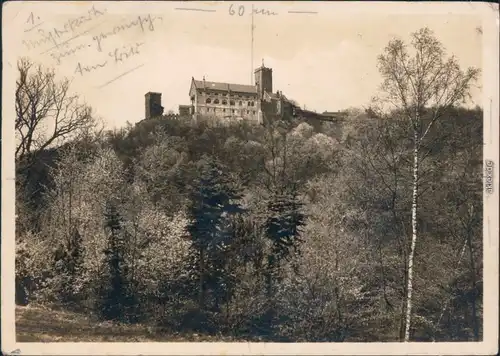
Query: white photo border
[490, 74]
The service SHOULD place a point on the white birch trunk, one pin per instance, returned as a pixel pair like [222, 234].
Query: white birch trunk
[413, 237]
[448, 300]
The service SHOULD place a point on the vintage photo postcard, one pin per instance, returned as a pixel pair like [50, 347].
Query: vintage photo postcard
[249, 178]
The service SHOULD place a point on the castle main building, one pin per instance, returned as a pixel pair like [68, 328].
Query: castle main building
[236, 101]
[228, 101]
[255, 103]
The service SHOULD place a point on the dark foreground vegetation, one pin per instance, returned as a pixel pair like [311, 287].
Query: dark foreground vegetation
[42, 324]
[242, 232]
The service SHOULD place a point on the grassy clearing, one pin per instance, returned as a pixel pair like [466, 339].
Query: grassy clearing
[39, 324]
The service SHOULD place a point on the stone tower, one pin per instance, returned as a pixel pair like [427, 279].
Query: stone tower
[264, 80]
[153, 105]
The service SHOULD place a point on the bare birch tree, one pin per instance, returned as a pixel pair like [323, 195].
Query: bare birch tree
[46, 112]
[417, 81]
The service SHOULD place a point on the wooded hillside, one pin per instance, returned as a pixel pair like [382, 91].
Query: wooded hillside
[281, 232]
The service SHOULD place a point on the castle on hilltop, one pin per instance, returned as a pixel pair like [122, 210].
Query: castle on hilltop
[255, 103]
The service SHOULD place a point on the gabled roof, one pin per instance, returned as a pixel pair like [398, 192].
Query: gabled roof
[331, 113]
[274, 96]
[334, 114]
[239, 88]
[271, 96]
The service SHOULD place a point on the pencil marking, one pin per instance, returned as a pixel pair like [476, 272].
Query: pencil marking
[32, 28]
[193, 9]
[121, 75]
[302, 12]
[72, 38]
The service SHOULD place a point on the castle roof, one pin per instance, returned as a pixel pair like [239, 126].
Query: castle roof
[272, 96]
[334, 114]
[240, 88]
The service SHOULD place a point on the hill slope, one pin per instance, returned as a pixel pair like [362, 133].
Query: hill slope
[36, 324]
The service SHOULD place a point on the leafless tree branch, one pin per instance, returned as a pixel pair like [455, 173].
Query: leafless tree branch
[46, 113]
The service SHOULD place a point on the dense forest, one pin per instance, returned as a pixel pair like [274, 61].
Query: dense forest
[279, 232]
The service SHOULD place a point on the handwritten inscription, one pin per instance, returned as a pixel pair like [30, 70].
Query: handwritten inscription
[145, 23]
[84, 45]
[118, 55]
[83, 69]
[56, 35]
[124, 53]
[34, 21]
[58, 57]
[240, 11]
[264, 12]
[31, 18]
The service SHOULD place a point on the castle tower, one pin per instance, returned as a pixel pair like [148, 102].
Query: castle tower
[153, 105]
[264, 80]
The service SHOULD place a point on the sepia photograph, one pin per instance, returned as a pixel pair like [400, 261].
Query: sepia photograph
[249, 178]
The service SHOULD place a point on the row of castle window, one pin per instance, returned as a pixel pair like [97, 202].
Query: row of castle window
[231, 102]
[232, 110]
[228, 95]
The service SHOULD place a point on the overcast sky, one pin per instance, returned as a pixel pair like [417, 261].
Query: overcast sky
[325, 61]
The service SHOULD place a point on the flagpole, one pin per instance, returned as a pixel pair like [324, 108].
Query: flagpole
[251, 52]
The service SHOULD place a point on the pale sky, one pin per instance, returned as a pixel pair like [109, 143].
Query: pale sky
[325, 61]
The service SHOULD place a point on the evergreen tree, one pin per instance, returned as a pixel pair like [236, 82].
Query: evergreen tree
[117, 298]
[283, 229]
[213, 201]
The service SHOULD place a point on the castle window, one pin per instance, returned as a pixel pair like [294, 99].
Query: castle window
[216, 101]
[224, 102]
[208, 101]
[231, 102]
[253, 112]
[248, 111]
[240, 103]
[224, 110]
[233, 111]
